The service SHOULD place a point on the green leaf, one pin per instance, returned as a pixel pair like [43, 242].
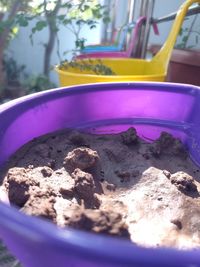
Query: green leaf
[185, 38]
[181, 31]
[67, 5]
[106, 20]
[40, 25]
[96, 13]
[197, 39]
[80, 43]
[91, 22]
[15, 30]
[86, 7]
[93, 26]
[22, 21]
[61, 17]
[79, 22]
[67, 21]
[34, 30]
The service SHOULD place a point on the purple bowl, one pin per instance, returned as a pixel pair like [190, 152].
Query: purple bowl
[98, 108]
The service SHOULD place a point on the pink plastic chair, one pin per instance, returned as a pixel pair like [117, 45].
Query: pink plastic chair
[121, 54]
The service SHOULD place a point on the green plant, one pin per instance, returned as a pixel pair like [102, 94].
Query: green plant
[87, 66]
[37, 83]
[186, 33]
[8, 11]
[49, 14]
[72, 14]
[19, 83]
[13, 71]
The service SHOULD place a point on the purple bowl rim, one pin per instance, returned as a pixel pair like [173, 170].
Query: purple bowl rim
[75, 239]
[166, 86]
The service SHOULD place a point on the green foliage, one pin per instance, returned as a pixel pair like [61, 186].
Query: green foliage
[74, 16]
[87, 67]
[37, 83]
[22, 20]
[13, 70]
[11, 18]
[184, 38]
[51, 14]
[79, 13]
[40, 25]
[15, 74]
[85, 13]
[79, 43]
[5, 5]
[186, 33]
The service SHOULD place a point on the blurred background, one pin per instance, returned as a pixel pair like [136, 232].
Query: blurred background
[36, 35]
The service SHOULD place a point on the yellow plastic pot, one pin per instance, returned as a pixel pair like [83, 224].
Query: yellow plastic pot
[131, 69]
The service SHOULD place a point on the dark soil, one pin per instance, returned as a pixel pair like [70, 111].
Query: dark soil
[117, 185]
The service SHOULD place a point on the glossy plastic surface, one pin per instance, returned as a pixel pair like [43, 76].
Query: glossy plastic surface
[126, 53]
[97, 108]
[119, 46]
[132, 69]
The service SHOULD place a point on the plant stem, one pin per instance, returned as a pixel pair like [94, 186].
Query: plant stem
[52, 35]
[190, 30]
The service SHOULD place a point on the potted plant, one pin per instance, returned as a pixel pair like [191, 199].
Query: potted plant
[97, 108]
